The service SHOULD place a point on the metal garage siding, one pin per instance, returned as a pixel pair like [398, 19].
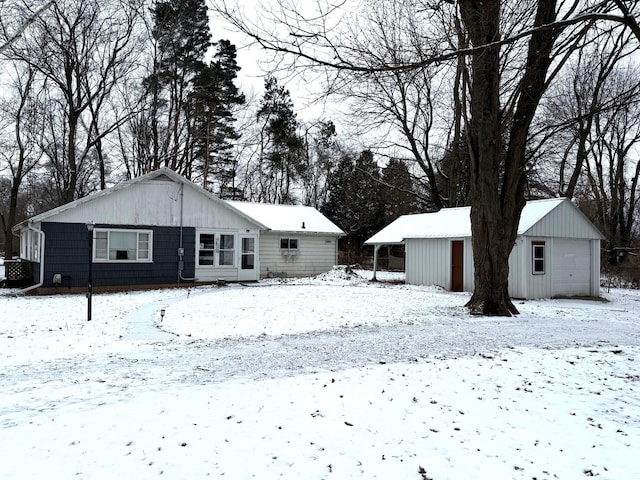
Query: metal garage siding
[522, 282]
[564, 221]
[518, 270]
[571, 267]
[428, 261]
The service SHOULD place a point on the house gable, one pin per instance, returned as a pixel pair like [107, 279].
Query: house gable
[161, 198]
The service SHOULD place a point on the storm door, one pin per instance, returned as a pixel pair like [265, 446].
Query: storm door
[248, 257]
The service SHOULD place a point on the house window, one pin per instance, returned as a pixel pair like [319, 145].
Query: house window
[216, 249]
[207, 249]
[30, 245]
[122, 245]
[537, 256]
[289, 243]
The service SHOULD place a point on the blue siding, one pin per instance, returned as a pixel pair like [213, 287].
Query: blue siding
[67, 253]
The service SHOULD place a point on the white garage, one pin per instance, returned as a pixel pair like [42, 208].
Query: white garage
[557, 251]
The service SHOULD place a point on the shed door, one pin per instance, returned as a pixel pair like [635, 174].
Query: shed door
[571, 267]
[457, 265]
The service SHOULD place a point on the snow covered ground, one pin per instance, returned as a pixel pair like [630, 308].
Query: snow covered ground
[331, 377]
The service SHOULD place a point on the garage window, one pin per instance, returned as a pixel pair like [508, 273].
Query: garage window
[538, 257]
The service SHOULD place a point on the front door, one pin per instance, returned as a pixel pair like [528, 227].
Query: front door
[457, 265]
[248, 258]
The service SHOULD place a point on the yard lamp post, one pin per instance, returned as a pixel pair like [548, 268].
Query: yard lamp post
[90, 226]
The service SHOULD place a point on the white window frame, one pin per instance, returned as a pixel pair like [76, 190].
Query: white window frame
[218, 253]
[538, 254]
[140, 242]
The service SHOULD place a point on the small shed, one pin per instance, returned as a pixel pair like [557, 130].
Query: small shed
[557, 250]
[158, 229]
[299, 240]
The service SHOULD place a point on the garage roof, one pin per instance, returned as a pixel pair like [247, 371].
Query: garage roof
[454, 223]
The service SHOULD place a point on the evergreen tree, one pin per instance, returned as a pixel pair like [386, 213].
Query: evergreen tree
[356, 202]
[281, 147]
[212, 103]
[453, 174]
[398, 191]
[182, 38]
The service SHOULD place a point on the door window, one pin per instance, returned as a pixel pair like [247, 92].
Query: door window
[248, 253]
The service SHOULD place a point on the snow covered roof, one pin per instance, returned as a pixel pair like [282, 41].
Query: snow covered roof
[454, 222]
[288, 218]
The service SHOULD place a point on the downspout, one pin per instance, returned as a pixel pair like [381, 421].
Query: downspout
[181, 246]
[41, 258]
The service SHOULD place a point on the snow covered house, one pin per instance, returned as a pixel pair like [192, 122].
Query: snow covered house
[160, 229]
[557, 250]
[299, 240]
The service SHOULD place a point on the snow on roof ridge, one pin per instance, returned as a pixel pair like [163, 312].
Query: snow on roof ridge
[301, 219]
[454, 222]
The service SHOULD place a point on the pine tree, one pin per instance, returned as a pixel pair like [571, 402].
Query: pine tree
[182, 38]
[398, 191]
[212, 103]
[281, 146]
[356, 202]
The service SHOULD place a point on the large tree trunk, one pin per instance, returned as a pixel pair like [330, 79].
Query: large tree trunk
[490, 234]
[497, 199]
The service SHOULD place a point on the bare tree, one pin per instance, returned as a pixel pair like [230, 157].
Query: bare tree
[320, 158]
[19, 153]
[82, 49]
[613, 170]
[12, 31]
[565, 128]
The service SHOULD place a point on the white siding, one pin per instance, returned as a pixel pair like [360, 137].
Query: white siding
[564, 221]
[518, 271]
[316, 254]
[428, 262]
[522, 282]
[595, 267]
[572, 268]
[155, 202]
